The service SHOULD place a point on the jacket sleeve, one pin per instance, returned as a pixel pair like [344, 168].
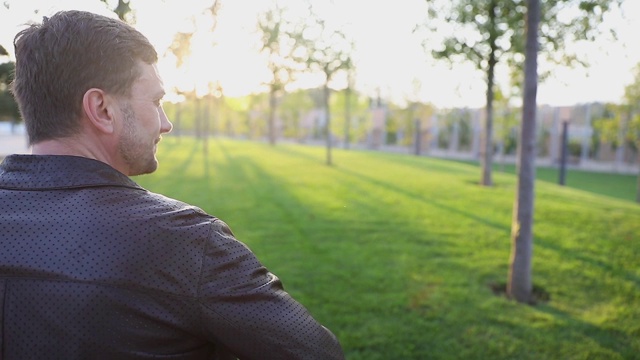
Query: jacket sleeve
[246, 310]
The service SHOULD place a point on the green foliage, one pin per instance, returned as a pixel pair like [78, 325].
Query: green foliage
[609, 125]
[632, 99]
[325, 49]
[507, 121]
[402, 120]
[492, 26]
[8, 106]
[361, 117]
[280, 38]
[395, 253]
[456, 120]
[292, 107]
[7, 70]
[621, 122]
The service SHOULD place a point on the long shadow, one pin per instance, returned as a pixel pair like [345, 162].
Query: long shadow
[177, 166]
[418, 196]
[421, 164]
[409, 194]
[618, 342]
[354, 273]
[281, 199]
[576, 255]
[290, 150]
[288, 206]
[576, 180]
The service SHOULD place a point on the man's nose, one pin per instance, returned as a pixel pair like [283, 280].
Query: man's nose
[165, 124]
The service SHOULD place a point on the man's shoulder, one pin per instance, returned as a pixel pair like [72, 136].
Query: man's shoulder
[156, 203]
[167, 201]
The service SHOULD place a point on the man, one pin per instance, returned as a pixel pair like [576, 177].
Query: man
[92, 265]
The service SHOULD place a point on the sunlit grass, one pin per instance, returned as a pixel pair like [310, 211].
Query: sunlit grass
[395, 253]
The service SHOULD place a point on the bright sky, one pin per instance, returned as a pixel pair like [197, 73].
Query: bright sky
[389, 57]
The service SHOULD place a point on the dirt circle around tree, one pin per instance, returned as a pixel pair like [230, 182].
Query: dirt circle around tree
[539, 294]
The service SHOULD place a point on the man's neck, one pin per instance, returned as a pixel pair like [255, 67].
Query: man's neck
[70, 146]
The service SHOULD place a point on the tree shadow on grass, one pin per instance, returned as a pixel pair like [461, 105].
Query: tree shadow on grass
[566, 253]
[290, 150]
[346, 267]
[418, 196]
[615, 341]
[414, 164]
[177, 165]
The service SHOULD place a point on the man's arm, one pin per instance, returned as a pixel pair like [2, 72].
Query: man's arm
[245, 308]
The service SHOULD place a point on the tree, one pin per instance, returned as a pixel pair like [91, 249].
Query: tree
[349, 108]
[8, 105]
[327, 51]
[520, 285]
[634, 134]
[215, 94]
[294, 106]
[279, 43]
[632, 98]
[487, 32]
[621, 123]
[347, 102]
[181, 48]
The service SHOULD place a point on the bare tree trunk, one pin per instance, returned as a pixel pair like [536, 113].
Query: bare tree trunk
[638, 192]
[520, 285]
[638, 162]
[347, 116]
[272, 117]
[198, 114]
[487, 148]
[586, 136]
[206, 122]
[327, 123]
[178, 115]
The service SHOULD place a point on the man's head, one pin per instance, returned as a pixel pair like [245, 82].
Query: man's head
[88, 77]
[71, 52]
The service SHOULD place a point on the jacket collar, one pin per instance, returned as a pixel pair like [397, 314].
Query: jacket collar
[33, 172]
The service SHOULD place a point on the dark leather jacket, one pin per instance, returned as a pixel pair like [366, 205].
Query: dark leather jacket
[92, 266]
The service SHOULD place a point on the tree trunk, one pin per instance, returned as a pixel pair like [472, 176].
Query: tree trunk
[272, 116]
[520, 285]
[178, 115]
[347, 116]
[487, 148]
[638, 162]
[327, 123]
[206, 124]
[638, 192]
[586, 136]
[198, 115]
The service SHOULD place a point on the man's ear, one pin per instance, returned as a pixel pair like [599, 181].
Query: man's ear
[99, 109]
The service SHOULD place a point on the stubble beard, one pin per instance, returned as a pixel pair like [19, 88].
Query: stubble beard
[139, 156]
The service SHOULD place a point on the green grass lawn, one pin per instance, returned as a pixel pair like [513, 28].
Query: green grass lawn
[395, 253]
